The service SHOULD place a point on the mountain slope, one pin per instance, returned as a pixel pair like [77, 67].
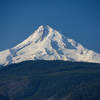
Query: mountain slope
[48, 44]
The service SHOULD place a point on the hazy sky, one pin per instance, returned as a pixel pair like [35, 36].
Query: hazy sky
[78, 19]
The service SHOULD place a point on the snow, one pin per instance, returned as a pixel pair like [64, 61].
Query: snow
[47, 43]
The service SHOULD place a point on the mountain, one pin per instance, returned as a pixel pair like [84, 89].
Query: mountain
[50, 80]
[47, 43]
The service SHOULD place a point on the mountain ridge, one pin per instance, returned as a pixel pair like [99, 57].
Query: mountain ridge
[47, 43]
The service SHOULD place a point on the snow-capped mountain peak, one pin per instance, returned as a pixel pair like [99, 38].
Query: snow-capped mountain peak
[47, 43]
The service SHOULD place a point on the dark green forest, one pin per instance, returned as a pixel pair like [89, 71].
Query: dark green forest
[50, 80]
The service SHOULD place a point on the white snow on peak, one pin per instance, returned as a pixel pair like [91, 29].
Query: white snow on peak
[47, 43]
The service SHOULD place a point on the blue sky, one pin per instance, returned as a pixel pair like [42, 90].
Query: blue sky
[78, 19]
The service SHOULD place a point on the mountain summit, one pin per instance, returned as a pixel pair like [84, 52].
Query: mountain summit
[47, 43]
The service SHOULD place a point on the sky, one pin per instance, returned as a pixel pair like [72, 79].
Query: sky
[77, 19]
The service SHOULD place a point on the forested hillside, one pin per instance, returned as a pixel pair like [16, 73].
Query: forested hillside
[50, 80]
